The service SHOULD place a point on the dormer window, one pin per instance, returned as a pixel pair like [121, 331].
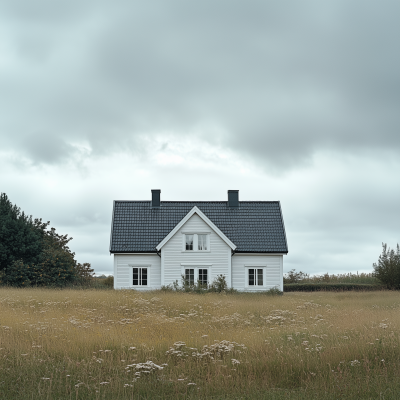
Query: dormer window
[202, 242]
[196, 242]
[189, 242]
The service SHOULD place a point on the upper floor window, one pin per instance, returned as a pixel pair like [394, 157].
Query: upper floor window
[189, 242]
[202, 242]
[197, 242]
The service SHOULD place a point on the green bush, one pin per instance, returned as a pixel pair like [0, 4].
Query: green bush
[294, 277]
[109, 281]
[273, 292]
[387, 270]
[301, 277]
[218, 285]
[339, 287]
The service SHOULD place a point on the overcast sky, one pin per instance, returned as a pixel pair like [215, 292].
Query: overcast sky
[297, 101]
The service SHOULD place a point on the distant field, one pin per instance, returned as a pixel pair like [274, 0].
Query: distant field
[92, 344]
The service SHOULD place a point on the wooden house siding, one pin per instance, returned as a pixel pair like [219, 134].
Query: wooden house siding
[217, 260]
[123, 264]
[273, 271]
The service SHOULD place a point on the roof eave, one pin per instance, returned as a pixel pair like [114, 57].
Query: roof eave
[112, 226]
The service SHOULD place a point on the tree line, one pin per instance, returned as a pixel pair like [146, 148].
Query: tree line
[386, 273]
[33, 254]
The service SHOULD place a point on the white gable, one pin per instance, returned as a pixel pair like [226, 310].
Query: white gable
[193, 211]
[175, 259]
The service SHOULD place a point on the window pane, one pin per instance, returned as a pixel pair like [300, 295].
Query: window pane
[189, 276]
[135, 280]
[189, 242]
[192, 276]
[203, 279]
[144, 276]
[251, 277]
[260, 277]
[202, 242]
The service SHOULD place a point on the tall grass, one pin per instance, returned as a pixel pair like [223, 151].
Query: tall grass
[300, 277]
[94, 344]
[344, 278]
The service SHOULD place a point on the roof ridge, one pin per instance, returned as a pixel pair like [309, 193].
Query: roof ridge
[198, 201]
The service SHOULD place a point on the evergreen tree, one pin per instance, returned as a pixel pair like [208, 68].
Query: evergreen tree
[387, 270]
[19, 237]
[32, 254]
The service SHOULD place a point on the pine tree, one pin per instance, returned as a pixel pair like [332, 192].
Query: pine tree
[33, 255]
[19, 238]
[387, 270]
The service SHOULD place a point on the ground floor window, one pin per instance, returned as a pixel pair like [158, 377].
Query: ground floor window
[139, 276]
[203, 276]
[189, 276]
[256, 277]
[194, 275]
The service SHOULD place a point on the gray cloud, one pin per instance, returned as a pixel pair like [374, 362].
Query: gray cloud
[47, 148]
[280, 80]
[301, 96]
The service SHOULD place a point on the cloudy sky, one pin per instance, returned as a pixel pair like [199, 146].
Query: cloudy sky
[291, 101]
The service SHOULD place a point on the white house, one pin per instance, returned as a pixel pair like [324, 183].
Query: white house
[155, 242]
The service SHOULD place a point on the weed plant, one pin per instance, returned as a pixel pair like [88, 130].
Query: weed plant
[104, 344]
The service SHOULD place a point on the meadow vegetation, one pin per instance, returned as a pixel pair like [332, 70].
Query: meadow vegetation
[300, 277]
[104, 344]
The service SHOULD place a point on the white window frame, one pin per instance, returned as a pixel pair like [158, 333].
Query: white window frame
[196, 268]
[195, 242]
[255, 266]
[131, 266]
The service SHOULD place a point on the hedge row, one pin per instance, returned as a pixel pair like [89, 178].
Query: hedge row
[335, 287]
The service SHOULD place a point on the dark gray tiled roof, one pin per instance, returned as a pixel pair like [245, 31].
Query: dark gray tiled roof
[254, 227]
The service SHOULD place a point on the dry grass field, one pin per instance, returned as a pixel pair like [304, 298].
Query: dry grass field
[105, 344]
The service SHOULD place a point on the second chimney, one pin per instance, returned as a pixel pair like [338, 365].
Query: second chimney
[233, 198]
[155, 198]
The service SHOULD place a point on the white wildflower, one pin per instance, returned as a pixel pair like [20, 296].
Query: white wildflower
[145, 368]
[355, 363]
